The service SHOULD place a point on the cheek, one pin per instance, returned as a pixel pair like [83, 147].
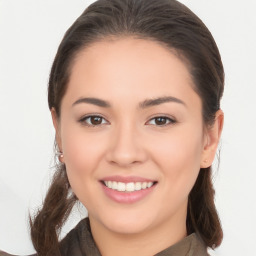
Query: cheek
[82, 154]
[178, 155]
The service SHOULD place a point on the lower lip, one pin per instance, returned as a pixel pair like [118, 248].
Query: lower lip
[127, 197]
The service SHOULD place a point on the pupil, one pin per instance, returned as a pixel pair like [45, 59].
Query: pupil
[96, 120]
[160, 120]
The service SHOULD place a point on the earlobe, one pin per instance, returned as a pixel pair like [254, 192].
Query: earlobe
[212, 135]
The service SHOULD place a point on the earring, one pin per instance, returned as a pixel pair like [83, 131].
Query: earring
[59, 153]
[60, 156]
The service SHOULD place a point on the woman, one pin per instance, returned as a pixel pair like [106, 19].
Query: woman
[134, 94]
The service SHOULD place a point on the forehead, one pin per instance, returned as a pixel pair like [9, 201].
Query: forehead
[129, 67]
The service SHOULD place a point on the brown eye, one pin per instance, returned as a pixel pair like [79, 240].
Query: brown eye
[161, 121]
[96, 120]
[93, 120]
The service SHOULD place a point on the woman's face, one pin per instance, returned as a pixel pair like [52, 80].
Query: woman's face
[130, 120]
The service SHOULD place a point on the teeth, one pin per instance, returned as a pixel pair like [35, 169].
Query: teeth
[110, 184]
[150, 184]
[114, 185]
[138, 186]
[121, 186]
[128, 187]
[144, 185]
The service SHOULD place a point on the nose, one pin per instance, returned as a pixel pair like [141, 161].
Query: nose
[126, 147]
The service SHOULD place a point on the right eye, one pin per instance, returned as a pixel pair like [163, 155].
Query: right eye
[93, 120]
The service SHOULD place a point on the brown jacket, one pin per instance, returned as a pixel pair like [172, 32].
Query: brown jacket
[79, 242]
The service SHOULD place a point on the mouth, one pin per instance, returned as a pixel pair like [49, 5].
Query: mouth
[127, 190]
[128, 186]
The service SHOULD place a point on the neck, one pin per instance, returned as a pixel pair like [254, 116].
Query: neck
[148, 242]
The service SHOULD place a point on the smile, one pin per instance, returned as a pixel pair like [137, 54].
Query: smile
[127, 190]
[128, 187]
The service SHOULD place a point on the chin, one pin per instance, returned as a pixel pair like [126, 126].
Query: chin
[128, 223]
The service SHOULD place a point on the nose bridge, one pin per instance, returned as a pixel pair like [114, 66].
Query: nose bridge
[125, 146]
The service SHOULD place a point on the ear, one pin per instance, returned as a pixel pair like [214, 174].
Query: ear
[211, 140]
[56, 124]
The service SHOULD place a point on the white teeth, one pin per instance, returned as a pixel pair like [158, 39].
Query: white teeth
[144, 185]
[114, 185]
[150, 184]
[121, 186]
[110, 184]
[138, 186]
[128, 187]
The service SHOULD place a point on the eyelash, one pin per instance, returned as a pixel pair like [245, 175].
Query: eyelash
[83, 120]
[168, 119]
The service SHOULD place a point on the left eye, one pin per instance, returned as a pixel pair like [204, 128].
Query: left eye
[161, 121]
[93, 120]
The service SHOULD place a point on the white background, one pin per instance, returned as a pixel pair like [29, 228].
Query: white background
[30, 31]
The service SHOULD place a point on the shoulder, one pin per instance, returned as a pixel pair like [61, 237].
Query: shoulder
[70, 244]
[198, 247]
[7, 254]
[79, 241]
[192, 245]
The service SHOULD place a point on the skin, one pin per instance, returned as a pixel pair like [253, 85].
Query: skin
[128, 141]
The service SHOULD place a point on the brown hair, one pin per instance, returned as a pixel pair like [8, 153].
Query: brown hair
[175, 26]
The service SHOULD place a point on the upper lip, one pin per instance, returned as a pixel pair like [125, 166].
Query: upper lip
[127, 179]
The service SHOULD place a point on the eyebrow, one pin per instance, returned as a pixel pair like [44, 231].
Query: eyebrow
[157, 101]
[94, 101]
[145, 104]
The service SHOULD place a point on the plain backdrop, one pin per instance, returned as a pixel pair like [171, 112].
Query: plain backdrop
[30, 32]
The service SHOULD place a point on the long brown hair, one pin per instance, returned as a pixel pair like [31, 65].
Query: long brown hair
[176, 27]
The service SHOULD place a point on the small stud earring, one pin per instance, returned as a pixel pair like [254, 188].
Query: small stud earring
[60, 155]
